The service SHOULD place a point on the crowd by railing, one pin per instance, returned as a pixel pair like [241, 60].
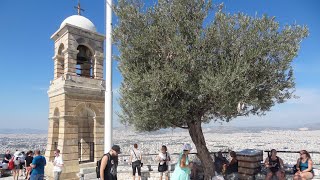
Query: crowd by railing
[289, 157]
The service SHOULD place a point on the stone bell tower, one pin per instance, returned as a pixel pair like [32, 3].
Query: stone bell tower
[76, 96]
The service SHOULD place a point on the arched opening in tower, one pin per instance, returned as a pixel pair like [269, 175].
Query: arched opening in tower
[85, 135]
[84, 66]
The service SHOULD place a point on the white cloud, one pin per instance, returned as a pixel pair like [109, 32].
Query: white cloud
[306, 97]
[295, 112]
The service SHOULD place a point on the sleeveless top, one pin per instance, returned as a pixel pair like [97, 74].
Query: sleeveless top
[181, 173]
[304, 166]
[232, 168]
[110, 172]
[275, 164]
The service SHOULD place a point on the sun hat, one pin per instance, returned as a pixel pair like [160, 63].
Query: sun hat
[18, 154]
[187, 147]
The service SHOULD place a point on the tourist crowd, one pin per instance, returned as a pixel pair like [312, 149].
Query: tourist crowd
[186, 170]
[30, 165]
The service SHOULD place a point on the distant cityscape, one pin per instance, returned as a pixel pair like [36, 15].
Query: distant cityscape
[218, 138]
[22, 142]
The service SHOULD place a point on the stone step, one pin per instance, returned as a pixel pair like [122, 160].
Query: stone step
[85, 165]
[87, 170]
[90, 176]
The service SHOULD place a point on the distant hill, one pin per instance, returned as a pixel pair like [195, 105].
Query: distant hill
[211, 129]
[23, 131]
[229, 129]
[313, 126]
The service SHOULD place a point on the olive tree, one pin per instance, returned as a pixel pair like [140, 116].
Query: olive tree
[183, 67]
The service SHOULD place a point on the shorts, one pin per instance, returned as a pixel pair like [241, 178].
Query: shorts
[17, 166]
[136, 166]
[274, 173]
[29, 168]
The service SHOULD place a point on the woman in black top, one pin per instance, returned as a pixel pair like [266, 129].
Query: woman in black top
[274, 165]
[232, 166]
[28, 161]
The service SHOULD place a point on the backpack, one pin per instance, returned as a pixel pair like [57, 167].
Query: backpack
[16, 161]
[99, 165]
[11, 164]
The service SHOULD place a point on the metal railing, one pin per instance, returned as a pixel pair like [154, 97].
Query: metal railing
[289, 158]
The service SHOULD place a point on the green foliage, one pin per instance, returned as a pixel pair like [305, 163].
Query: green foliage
[179, 66]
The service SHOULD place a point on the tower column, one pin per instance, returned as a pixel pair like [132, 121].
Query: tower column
[98, 65]
[58, 66]
[68, 145]
[70, 56]
[53, 132]
[98, 132]
[53, 135]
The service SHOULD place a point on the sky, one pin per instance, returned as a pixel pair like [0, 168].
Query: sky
[26, 52]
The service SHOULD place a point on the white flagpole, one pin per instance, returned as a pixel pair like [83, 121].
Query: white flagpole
[108, 93]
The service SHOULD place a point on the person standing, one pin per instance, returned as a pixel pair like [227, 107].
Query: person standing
[22, 167]
[38, 164]
[58, 164]
[28, 161]
[109, 163]
[164, 159]
[135, 160]
[17, 164]
[183, 168]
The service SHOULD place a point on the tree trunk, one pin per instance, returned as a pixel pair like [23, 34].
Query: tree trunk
[195, 131]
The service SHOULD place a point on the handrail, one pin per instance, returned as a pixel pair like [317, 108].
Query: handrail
[283, 151]
[126, 155]
[226, 152]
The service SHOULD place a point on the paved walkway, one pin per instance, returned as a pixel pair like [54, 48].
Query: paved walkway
[11, 177]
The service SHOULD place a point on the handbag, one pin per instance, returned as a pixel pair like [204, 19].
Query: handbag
[163, 167]
[11, 164]
[141, 164]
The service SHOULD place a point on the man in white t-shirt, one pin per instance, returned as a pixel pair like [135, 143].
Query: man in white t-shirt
[58, 163]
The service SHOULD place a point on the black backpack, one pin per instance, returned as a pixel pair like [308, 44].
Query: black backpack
[98, 166]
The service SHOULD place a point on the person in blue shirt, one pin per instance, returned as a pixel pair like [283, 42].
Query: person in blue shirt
[37, 165]
[183, 167]
[304, 166]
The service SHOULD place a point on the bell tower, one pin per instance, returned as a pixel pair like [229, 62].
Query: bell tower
[76, 96]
